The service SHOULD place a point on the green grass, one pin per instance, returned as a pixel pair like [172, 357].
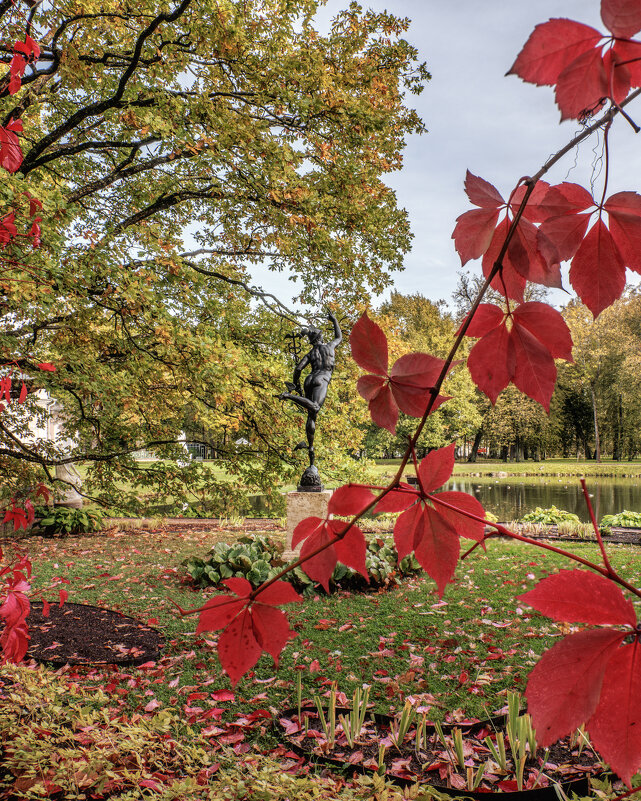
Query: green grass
[462, 653]
[386, 468]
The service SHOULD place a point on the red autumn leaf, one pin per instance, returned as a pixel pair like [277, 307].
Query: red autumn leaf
[524, 356]
[406, 386]
[316, 532]
[563, 689]
[509, 282]
[23, 393]
[547, 325]
[614, 728]
[463, 502]
[580, 596]
[349, 500]
[47, 366]
[629, 53]
[249, 626]
[10, 152]
[8, 229]
[624, 217]
[486, 317]
[238, 648]
[582, 86]
[492, 361]
[473, 232]
[534, 369]
[432, 538]
[29, 48]
[428, 528]
[551, 47]
[621, 17]
[436, 468]
[476, 233]
[569, 55]
[369, 346]
[597, 272]
[62, 597]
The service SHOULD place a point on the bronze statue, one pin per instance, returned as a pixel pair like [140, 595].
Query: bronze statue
[321, 359]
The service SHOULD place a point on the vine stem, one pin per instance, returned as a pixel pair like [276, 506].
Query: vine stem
[530, 181]
[595, 526]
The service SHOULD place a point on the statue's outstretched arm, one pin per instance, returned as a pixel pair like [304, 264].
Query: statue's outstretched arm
[338, 336]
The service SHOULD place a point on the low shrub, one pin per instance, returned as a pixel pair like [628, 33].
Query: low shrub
[624, 519]
[550, 516]
[258, 558]
[58, 521]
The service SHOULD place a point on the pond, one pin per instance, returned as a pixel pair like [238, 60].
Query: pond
[510, 498]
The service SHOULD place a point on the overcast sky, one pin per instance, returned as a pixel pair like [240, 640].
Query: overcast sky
[497, 127]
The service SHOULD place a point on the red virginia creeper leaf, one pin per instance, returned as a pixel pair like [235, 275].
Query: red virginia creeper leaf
[534, 370]
[482, 193]
[624, 211]
[398, 500]
[547, 325]
[614, 728]
[369, 346]
[464, 526]
[486, 317]
[597, 272]
[492, 362]
[473, 233]
[552, 46]
[238, 649]
[563, 689]
[436, 468]
[349, 500]
[350, 550]
[582, 86]
[509, 282]
[621, 17]
[271, 628]
[580, 596]
[51, 368]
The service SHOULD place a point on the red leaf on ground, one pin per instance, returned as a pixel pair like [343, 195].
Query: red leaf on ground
[580, 596]
[563, 689]
[551, 47]
[614, 728]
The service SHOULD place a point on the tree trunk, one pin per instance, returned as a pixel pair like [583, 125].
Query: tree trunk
[475, 446]
[597, 447]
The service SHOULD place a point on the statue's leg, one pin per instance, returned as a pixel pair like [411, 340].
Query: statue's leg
[310, 430]
[304, 403]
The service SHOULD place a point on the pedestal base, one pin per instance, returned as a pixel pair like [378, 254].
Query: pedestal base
[299, 506]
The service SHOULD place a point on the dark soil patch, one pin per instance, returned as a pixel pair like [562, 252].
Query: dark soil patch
[432, 763]
[79, 634]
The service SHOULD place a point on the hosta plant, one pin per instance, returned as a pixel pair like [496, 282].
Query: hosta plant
[591, 677]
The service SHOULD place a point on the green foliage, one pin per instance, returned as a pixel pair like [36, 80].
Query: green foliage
[624, 519]
[85, 747]
[270, 142]
[58, 521]
[550, 516]
[258, 558]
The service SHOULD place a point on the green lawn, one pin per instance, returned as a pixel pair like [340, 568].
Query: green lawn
[461, 653]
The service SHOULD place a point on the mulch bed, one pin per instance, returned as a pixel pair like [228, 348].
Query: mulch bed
[433, 765]
[79, 634]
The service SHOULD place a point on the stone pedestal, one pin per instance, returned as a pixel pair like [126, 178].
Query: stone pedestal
[299, 506]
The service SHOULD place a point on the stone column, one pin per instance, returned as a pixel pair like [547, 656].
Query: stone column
[299, 506]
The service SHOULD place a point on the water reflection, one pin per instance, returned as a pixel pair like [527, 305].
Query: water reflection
[511, 498]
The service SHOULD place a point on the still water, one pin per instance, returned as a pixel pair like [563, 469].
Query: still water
[511, 498]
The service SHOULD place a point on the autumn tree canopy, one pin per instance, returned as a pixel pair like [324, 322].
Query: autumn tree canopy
[173, 147]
